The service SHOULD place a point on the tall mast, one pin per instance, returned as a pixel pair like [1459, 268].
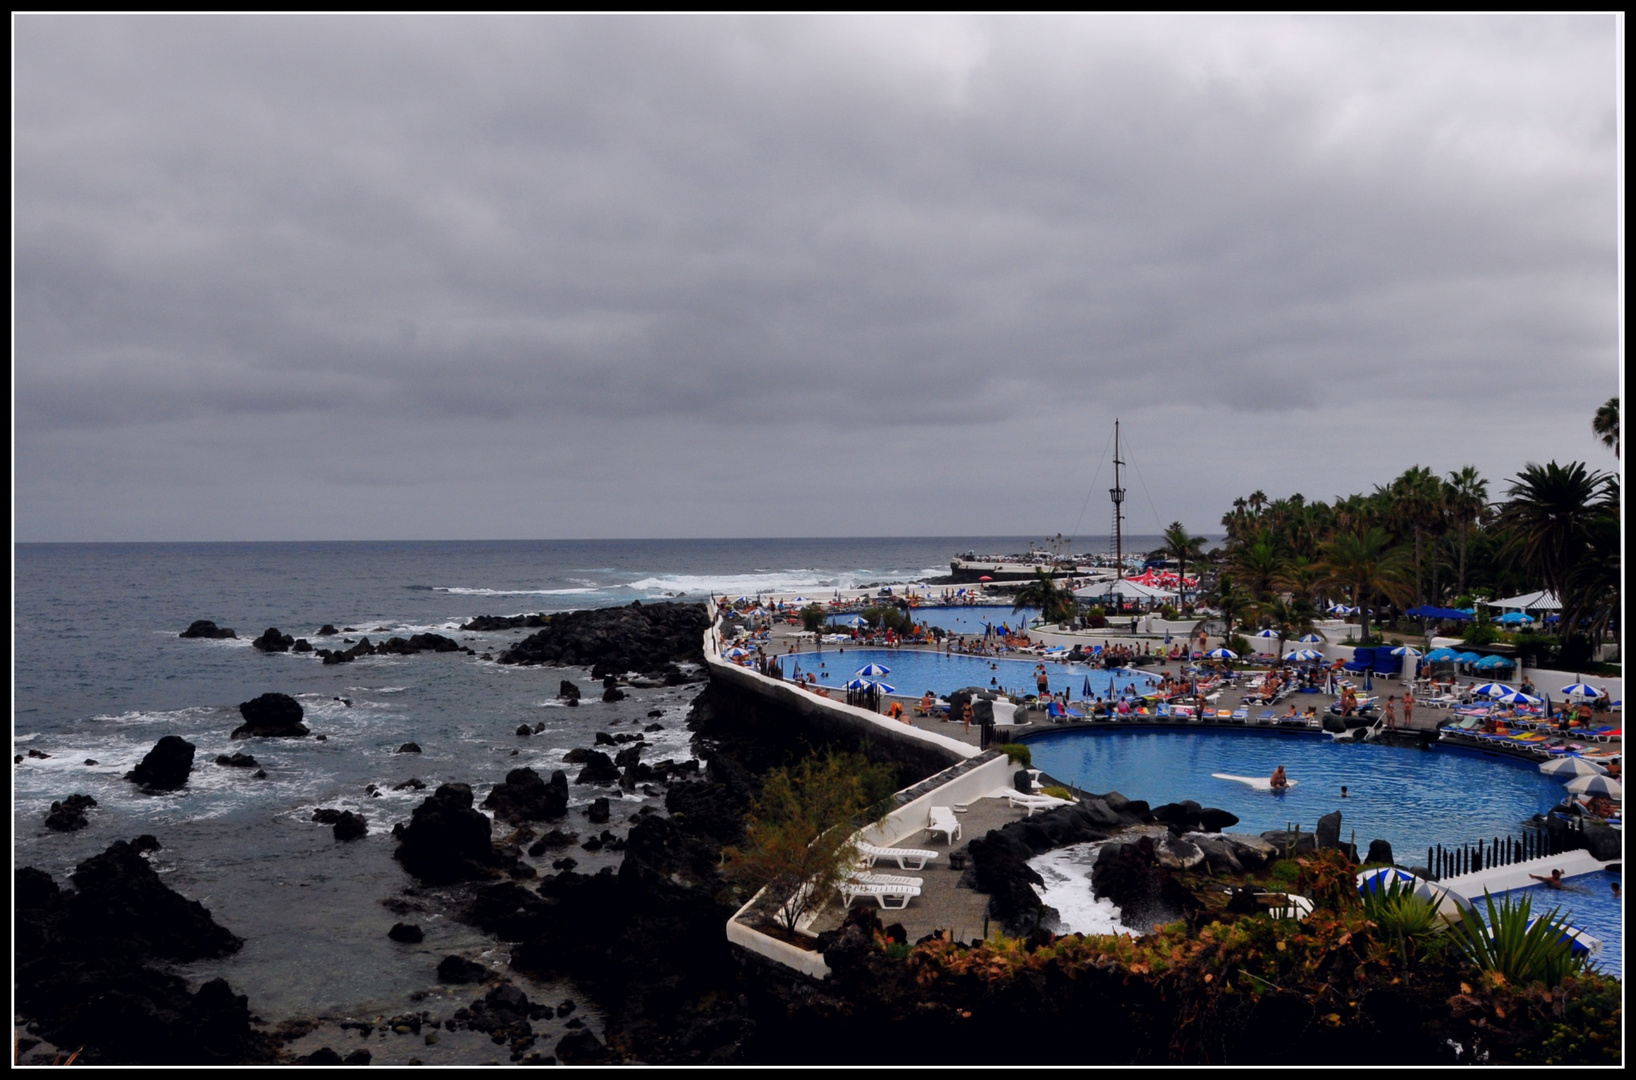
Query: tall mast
[1117, 492]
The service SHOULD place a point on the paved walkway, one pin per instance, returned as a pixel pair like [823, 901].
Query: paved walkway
[942, 903]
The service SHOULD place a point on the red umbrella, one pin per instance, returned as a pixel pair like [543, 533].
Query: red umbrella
[985, 577]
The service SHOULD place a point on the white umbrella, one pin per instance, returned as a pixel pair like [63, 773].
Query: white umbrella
[1222, 654]
[1406, 650]
[1492, 689]
[1450, 904]
[873, 669]
[865, 684]
[1313, 638]
[1597, 785]
[1303, 654]
[1580, 689]
[1269, 634]
[1571, 766]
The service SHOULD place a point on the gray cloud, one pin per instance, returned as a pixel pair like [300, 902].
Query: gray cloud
[394, 255]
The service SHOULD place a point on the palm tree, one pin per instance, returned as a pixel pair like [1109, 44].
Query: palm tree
[1258, 563]
[1594, 586]
[1056, 604]
[1181, 546]
[1415, 501]
[1466, 496]
[1548, 523]
[1288, 617]
[1230, 601]
[1605, 424]
[1364, 563]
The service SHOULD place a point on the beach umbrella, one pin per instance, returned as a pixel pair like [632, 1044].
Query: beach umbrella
[1406, 650]
[1450, 904]
[1266, 634]
[1517, 697]
[1222, 654]
[1597, 785]
[1580, 689]
[1489, 663]
[869, 670]
[735, 653]
[1088, 691]
[1303, 654]
[1578, 941]
[1515, 618]
[1467, 657]
[1312, 638]
[865, 684]
[1571, 766]
[1438, 655]
[1491, 689]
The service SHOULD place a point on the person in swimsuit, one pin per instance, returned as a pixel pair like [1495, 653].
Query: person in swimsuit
[1279, 780]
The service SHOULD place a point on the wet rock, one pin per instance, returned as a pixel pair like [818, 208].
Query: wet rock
[556, 838]
[582, 1048]
[327, 630]
[273, 641]
[345, 824]
[91, 761]
[460, 971]
[654, 727]
[236, 761]
[408, 933]
[524, 730]
[1380, 851]
[613, 694]
[1252, 851]
[566, 1008]
[409, 748]
[599, 811]
[260, 774]
[447, 840]
[302, 645]
[647, 638]
[166, 766]
[324, 1055]
[414, 783]
[271, 716]
[1219, 855]
[568, 691]
[204, 628]
[357, 1057]
[1181, 816]
[599, 769]
[491, 623]
[69, 814]
[1174, 853]
[1130, 875]
[1290, 843]
[526, 797]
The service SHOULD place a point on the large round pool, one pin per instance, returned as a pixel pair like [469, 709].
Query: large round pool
[1412, 798]
[914, 672]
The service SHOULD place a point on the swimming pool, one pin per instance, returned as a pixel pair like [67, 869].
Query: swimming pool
[970, 620]
[913, 672]
[1412, 798]
[1596, 910]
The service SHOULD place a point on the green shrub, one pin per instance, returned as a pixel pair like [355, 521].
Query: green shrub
[1403, 919]
[1018, 753]
[1286, 871]
[1505, 943]
[1058, 793]
[812, 617]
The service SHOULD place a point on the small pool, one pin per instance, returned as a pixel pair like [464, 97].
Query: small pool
[915, 672]
[971, 620]
[1596, 910]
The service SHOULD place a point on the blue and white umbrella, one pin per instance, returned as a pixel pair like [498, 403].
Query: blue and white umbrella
[865, 684]
[1342, 609]
[1571, 766]
[1450, 904]
[1271, 634]
[1406, 650]
[734, 654]
[1313, 638]
[1517, 697]
[799, 600]
[1493, 689]
[1597, 785]
[1579, 942]
[1303, 654]
[871, 670]
[1580, 689]
[1222, 654]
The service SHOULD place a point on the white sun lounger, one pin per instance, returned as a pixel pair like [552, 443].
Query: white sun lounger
[918, 857]
[882, 888]
[942, 820]
[1034, 802]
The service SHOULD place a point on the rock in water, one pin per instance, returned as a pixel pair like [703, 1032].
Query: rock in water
[459, 970]
[647, 638]
[237, 761]
[526, 797]
[273, 641]
[69, 815]
[446, 840]
[599, 769]
[582, 1048]
[408, 933]
[271, 716]
[204, 628]
[599, 811]
[166, 766]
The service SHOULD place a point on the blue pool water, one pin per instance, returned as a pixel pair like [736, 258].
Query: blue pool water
[914, 672]
[969, 621]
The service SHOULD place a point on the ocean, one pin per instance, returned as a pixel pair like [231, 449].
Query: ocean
[99, 675]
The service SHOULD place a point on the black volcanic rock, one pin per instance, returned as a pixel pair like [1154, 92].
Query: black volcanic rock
[599, 769]
[166, 766]
[273, 641]
[526, 797]
[271, 716]
[648, 638]
[447, 840]
[237, 761]
[204, 628]
[327, 630]
[488, 623]
[69, 814]
[407, 933]
[409, 748]
[345, 824]
[459, 970]
[568, 691]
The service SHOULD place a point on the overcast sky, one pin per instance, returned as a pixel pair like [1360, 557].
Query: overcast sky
[381, 278]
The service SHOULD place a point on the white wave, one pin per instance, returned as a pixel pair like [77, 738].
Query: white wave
[463, 591]
[775, 582]
[1067, 874]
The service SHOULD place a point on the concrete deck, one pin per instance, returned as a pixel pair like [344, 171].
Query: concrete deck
[942, 903]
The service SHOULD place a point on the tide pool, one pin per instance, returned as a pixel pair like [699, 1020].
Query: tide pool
[914, 672]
